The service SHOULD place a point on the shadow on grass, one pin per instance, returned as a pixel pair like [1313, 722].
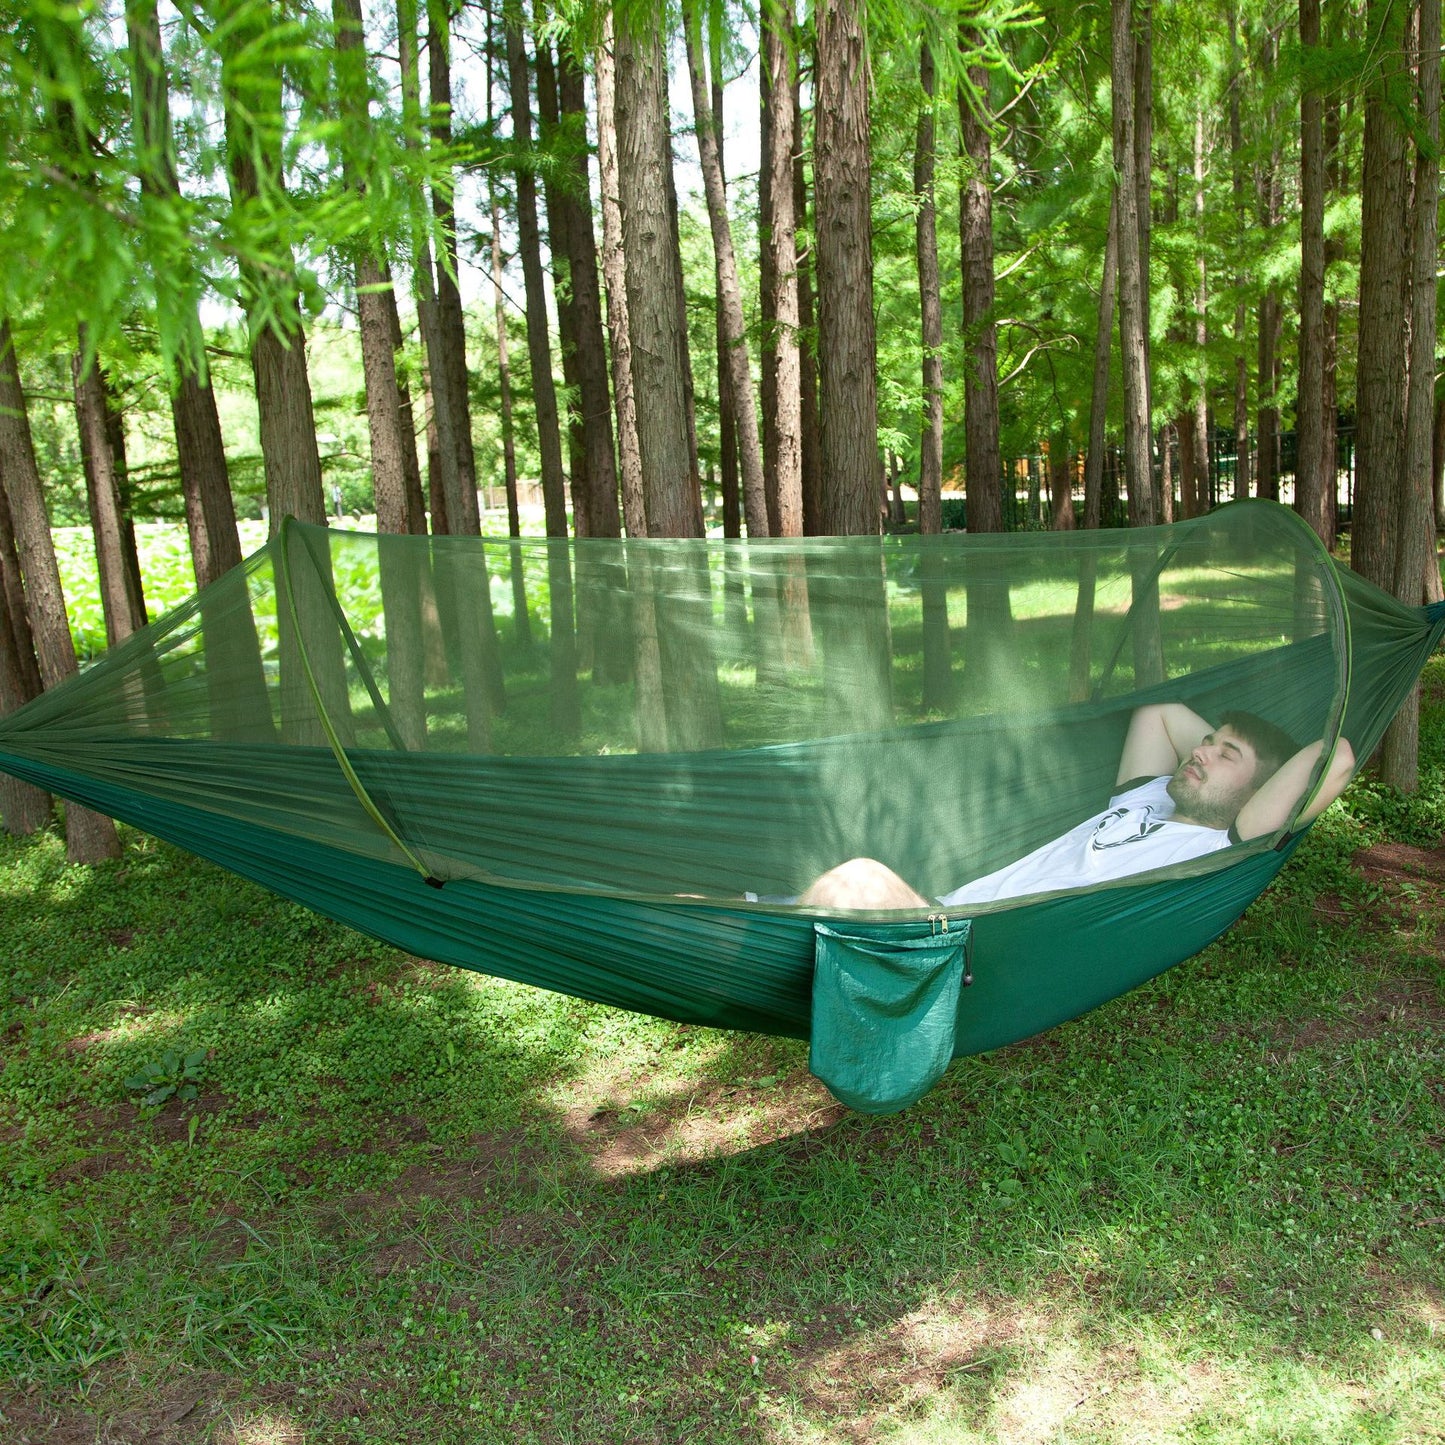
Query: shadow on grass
[421, 1205]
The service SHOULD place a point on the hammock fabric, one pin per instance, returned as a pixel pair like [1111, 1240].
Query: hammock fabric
[566, 763]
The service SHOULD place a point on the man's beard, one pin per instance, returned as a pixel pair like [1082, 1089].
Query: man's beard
[1193, 802]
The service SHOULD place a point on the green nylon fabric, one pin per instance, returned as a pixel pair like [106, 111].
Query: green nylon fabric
[345, 716]
[884, 1012]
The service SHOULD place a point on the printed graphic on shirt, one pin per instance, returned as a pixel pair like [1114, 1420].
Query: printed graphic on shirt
[1122, 826]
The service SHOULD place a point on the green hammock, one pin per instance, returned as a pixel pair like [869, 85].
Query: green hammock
[567, 763]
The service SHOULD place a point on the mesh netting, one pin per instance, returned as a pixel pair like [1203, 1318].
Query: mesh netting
[697, 718]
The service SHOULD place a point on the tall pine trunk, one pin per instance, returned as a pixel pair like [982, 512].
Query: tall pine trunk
[200, 452]
[740, 376]
[566, 708]
[1099, 396]
[1138, 471]
[930, 445]
[1313, 468]
[614, 276]
[843, 227]
[1417, 577]
[90, 837]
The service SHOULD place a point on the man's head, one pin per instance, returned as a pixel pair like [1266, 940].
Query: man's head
[1228, 767]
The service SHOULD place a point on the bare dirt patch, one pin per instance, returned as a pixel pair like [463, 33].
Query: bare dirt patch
[177, 1414]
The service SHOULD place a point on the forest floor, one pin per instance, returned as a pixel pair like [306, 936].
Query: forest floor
[414, 1204]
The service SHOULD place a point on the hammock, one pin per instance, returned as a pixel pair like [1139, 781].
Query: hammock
[567, 763]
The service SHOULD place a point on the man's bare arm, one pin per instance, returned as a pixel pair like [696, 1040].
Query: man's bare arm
[1272, 807]
[1160, 737]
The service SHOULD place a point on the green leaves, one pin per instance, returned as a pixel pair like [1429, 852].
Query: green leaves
[173, 1075]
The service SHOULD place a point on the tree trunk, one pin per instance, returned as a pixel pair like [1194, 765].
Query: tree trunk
[614, 275]
[740, 376]
[1417, 576]
[90, 836]
[783, 360]
[653, 278]
[930, 445]
[103, 495]
[847, 346]
[983, 465]
[1270, 310]
[201, 456]
[23, 809]
[1138, 471]
[1144, 184]
[1099, 399]
[559, 249]
[603, 518]
[1198, 479]
[1241, 317]
[1384, 269]
[566, 708]
[812, 448]
[1312, 466]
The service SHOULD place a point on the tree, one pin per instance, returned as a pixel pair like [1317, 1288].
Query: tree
[1138, 468]
[847, 345]
[740, 377]
[1314, 469]
[653, 278]
[90, 837]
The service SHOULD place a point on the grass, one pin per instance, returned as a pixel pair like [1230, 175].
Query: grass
[415, 1204]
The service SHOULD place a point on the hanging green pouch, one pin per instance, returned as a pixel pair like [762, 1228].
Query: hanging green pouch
[884, 1008]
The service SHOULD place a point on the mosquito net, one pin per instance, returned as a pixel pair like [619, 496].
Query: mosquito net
[706, 719]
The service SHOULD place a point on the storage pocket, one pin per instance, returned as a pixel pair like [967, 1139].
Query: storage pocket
[884, 1007]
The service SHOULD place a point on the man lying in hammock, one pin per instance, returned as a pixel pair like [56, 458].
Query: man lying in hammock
[1183, 790]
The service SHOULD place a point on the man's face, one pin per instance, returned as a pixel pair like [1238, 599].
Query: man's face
[1215, 781]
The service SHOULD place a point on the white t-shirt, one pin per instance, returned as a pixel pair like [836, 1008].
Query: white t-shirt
[1136, 832]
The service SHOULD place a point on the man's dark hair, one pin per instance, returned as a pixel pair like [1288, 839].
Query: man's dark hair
[1273, 747]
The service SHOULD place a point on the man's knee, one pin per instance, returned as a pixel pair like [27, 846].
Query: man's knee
[862, 883]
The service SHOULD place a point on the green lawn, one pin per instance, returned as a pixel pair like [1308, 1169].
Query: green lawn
[413, 1204]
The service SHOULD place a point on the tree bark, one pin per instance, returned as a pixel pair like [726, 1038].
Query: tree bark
[1384, 269]
[812, 448]
[603, 518]
[653, 280]
[449, 368]
[1099, 399]
[90, 837]
[1241, 317]
[614, 275]
[1270, 311]
[23, 809]
[1138, 470]
[782, 359]
[566, 714]
[1417, 575]
[930, 445]
[1198, 481]
[1144, 183]
[103, 496]
[201, 456]
[740, 377]
[1312, 468]
[983, 464]
[847, 345]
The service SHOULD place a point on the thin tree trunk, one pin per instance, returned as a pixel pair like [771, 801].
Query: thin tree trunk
[1241, 316]
[603, 518]
[740, 376]
[201, 456]
[812, 448]
[847, 345]
[1198, 480]
[1138, 472]
[1144, 183]
[1417, 576]
[653, 280]
[1384, 270]
[983, 464]
[1312, 466]
[103, 496]
[24, 809]
[566, 708]
[781, 247]
[930, 446]
[1099, 399]
[1270, 311]
[90, 837]
[614, 275]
